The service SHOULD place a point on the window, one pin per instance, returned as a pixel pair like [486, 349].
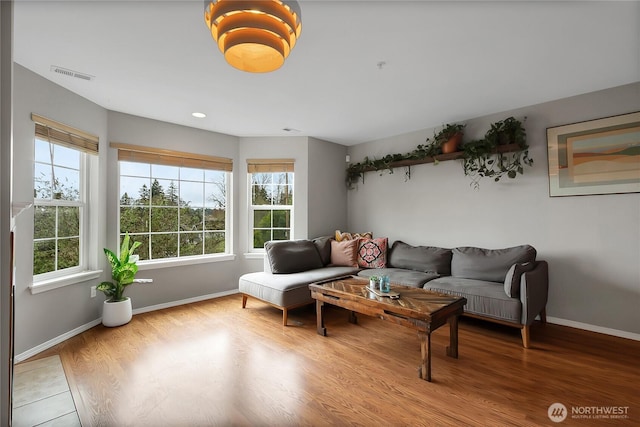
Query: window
[174, 204]
[60, 185]
[271, 203]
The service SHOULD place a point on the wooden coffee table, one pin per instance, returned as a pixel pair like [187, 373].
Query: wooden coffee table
[419, 309]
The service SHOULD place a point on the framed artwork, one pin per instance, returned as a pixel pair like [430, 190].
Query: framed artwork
[595, 157]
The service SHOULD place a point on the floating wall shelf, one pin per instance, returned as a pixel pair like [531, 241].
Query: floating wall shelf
[442, 157]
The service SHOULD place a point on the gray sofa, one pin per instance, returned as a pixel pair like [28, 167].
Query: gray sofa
[507, 286]
[289, 267]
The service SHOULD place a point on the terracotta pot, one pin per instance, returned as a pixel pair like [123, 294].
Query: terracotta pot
[451, 146]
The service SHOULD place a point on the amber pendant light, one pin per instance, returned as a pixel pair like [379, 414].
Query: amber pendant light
[254, 35]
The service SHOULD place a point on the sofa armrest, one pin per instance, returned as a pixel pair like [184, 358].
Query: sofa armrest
[534, 290]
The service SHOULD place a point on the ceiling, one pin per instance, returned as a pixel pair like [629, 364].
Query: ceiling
[361, 71]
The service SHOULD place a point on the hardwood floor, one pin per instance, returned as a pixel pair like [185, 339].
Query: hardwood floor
[213, 363]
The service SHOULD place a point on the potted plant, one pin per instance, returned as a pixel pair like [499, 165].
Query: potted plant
[449, 138]
[116, 309]
[506, 132]
[483, 159]
[446, 141]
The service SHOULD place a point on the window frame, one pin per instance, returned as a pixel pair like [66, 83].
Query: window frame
[146, 155]
[53, 132]
[82, 204]
[270, 167]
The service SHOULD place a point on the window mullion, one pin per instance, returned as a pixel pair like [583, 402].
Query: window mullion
[55, 246]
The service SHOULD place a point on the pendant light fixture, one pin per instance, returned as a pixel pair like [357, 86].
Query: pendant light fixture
[254, 35]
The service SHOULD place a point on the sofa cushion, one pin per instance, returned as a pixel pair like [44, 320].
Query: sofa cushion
[340, 236]
[488, 264]
[323, 244]
[427, 259]
[288, 290]
[372, 253]
[483, 297]
[292, 256]
[512, 280]
[344, 253]
[400, 276]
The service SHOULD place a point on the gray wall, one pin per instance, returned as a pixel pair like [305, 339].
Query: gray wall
[272, 148]
[182, 282]
[592, 243]
[44, 316]
[6, 99]
[327, 191]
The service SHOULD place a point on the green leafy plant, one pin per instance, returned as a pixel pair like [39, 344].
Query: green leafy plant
[507, 131]
[482, 158]
[355, 171]
[123, 271]
[448, 131]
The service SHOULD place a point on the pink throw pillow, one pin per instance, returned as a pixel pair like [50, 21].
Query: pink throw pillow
[372, 253]
[344, 253]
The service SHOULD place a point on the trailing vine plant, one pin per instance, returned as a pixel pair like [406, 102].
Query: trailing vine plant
[432, 148]
[481, 157]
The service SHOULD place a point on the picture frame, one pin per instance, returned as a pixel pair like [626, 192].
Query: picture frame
[599, 156]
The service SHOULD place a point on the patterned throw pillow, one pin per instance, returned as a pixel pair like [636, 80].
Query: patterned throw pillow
[340, 236]
[372, 253]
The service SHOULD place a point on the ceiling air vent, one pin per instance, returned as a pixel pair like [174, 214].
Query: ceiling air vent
[72, 73]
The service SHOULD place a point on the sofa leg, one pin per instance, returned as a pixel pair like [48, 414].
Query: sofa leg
[543, 316]
[244, 301]
[525, 336]
[285, 315]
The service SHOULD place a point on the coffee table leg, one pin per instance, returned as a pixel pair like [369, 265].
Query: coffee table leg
[452, 350]
[353, 318]
[320, 319]
[425, 350]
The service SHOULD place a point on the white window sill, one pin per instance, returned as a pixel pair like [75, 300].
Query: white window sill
[177, 262]
[254, 255]
[59, 282]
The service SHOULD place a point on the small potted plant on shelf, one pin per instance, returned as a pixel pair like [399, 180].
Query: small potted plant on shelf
[446, 141]
[449, 138]
[483, 158]
[116, 309]
[506, 132]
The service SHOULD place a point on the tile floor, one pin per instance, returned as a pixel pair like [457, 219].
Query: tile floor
[41, 395]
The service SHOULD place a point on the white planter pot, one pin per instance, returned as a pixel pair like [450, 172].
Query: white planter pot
[116, 313]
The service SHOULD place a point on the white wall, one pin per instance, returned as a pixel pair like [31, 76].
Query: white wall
[592, 243]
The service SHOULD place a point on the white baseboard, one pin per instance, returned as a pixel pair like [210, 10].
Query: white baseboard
[80, 329]
[183, 301]
[594, 328]
[57, 340]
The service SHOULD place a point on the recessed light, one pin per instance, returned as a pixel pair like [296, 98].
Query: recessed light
[199, 115]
